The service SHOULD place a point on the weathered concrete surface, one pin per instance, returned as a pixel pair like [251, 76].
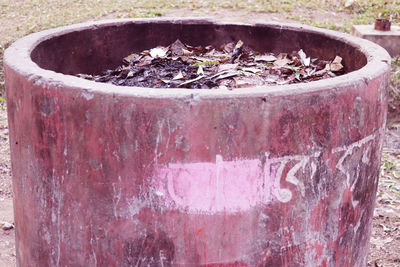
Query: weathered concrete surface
[390, 40]
[267, 176]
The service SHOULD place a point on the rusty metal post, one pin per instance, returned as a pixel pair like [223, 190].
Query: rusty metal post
[382, 25]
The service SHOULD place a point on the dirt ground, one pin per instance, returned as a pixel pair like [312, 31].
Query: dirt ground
[385, 240]
[7, 241]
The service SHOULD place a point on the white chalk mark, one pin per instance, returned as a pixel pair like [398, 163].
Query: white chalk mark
[365, 158]
[169, 135]
[162, 257]
[283, 195]
[159, 139]
[93, 252]
[171, 190]
[313, 169]
[240, 184]
[303, 160]
[87, 95]
[348, 150]
[117, 195]
[219, 186]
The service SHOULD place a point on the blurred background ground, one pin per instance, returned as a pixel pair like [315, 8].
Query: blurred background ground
[21, 17]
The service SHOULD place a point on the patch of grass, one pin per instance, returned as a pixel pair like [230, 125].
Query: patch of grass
[360, 12]
[366, 11]
[19, 18]
[390, 165]
[394, 91]
[395, 79]
[326, 23]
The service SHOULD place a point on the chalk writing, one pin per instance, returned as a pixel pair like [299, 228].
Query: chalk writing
[238, 185]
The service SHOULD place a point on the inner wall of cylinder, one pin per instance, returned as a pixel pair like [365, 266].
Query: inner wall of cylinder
[94, 50]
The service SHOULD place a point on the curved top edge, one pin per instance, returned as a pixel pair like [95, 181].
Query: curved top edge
[17, 57]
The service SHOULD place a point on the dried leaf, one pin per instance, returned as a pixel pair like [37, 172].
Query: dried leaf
[252, 70]
[293, 68]
[210, 53]
[337, 59]
[191, 81]
[237, 51]
[282, 62]
[336, 64]
[177, 48]
[297, 76]
[199, 49]
[323, 71]
[224, 75]
[330, 73]
[200, 59]
[130, 74]
[145, 53]
[157, 82]
[307, 62]
[186, 59]
[105, 78]
[206, 63]
[186, 52]
[228, 48]
[304, 59]
[239, 44]
[224, 60]
[282, 56]
[124, 71]
[249, 81]
[271, 79]
[128, 59]
[146, 60]
[200, 70]
[265, 58]
[179, 76]
[296, 61]
[310, 71]
[302, 54]
[164, 66]
[227, 66]
[319, 73]
[158, 52]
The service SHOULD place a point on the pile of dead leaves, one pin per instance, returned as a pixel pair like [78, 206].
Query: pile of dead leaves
[233, 65]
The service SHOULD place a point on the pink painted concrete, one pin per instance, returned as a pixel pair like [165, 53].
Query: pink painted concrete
[223, 186]
[266, 176]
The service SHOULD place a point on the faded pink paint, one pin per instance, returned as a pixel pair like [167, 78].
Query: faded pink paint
[84, 176]
[221, 186]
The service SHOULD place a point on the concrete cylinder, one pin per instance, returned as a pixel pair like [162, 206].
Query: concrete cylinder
[126, 176]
